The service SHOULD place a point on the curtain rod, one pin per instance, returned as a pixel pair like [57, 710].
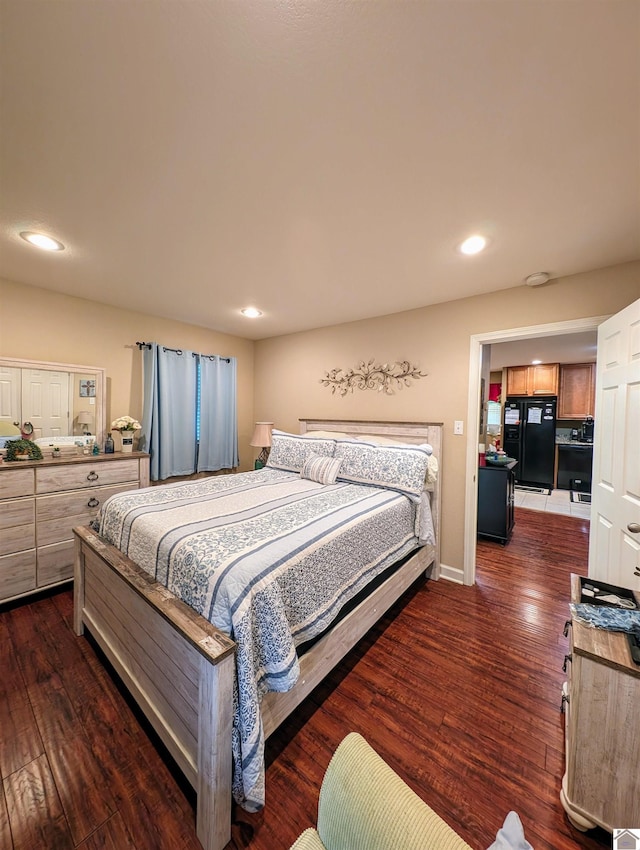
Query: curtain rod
[142, 345]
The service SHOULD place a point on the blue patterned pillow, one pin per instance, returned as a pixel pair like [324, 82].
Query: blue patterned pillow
[322, 470]
[401, 468]
[289, 451]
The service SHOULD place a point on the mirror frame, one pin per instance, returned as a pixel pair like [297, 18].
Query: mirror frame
[73, 369]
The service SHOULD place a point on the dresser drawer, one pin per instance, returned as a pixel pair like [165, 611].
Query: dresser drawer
[16, 512]
[55, 563]
[17, 573]
[82, 475]
[17, 482]
[16, 538]
[58, 514]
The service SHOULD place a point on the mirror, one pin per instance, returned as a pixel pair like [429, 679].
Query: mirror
[52, 399]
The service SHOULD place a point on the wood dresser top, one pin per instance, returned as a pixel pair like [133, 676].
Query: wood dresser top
[611, 648]
[70, 459]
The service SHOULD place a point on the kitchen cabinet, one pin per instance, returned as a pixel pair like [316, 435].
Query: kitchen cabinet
[496, 500]
[543, 379]
[577, 390]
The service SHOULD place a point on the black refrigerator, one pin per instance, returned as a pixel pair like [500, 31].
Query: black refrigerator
[530, 437]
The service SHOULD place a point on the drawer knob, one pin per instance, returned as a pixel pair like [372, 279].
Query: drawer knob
[93, 503]
[634, 527]
[92, 476]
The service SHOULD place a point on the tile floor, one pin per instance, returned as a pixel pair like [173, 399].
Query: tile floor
[559, 502]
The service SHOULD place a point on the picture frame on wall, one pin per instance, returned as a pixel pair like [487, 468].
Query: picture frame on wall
[87, 388]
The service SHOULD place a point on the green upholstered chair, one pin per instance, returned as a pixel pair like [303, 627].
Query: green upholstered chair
[364, 805]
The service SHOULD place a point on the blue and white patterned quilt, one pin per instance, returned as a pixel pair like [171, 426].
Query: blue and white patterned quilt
[269, 558]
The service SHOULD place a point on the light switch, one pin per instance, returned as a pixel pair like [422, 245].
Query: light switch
[458, 427]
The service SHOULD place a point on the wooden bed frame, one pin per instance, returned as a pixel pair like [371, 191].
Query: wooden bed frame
[180, 669]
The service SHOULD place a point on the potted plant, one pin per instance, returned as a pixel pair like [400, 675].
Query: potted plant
[23, 450]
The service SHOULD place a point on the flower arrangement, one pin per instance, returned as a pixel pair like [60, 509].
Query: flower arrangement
[125, 423]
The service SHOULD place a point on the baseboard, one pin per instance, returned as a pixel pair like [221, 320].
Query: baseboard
[454, 574]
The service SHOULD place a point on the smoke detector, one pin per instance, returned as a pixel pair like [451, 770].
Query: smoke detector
[537, 278]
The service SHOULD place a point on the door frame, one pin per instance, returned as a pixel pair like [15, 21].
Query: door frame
[476, 343]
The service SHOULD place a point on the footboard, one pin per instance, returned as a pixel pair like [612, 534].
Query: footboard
[177, 666]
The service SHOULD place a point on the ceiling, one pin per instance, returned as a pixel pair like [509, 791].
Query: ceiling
[580, 347]
[318, 160]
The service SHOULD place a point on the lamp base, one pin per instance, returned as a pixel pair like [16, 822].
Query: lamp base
[263, 457]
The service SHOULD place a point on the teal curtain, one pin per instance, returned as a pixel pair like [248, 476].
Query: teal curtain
[169, 421]
[218, 448]
[172, 404]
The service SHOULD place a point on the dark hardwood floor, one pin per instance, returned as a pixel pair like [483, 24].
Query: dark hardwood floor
[458, 688]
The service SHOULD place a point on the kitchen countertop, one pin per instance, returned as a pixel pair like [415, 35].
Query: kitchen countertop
[564, 441]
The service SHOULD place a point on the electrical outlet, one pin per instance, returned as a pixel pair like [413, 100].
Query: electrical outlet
[458, 427]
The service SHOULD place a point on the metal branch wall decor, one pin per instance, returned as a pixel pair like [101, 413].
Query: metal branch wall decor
[384, 377]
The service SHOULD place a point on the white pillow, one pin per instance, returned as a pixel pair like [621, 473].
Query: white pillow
[322, 470]
[329, 435]
[387, 441]
[511, 835]
[289, 451]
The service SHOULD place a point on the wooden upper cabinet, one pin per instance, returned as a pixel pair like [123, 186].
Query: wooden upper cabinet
[533, 380]
[518, 380]
[544, 379]
[577, 391]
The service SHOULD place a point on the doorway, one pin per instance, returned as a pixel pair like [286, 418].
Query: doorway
[477, 344]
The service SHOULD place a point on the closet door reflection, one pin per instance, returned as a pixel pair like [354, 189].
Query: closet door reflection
[53, 397]
[46, 402]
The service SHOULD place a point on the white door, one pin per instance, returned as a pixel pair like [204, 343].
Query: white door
[614, 540]
[45, 402]
[9, 394]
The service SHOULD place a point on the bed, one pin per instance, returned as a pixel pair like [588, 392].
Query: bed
[187, 675]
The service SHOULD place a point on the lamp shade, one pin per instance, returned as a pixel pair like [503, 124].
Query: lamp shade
[85, 417]
[262, 435]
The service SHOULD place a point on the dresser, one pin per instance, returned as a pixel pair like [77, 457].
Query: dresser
[42, 501]
[601, 699]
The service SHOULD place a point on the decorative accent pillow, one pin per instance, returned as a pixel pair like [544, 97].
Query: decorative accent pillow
[289, 451]
[511, 835]
[401, 468]
[323, 470]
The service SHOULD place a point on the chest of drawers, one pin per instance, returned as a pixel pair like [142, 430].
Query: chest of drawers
[601, 784]
[42, 501]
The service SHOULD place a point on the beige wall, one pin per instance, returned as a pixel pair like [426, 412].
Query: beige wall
[36, 324]
[289, 368]
[285, 384]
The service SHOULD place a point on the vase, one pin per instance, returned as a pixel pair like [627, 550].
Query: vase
[127, 441]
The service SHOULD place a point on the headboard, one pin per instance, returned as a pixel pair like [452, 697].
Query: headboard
[403, 432]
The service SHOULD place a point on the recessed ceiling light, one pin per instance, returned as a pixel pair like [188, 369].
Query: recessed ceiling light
[42, 241]
[473, 245]
[251, 312]
[536, 362]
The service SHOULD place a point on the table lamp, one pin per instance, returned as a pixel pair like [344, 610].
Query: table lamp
[262, 439]
[85, 418]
